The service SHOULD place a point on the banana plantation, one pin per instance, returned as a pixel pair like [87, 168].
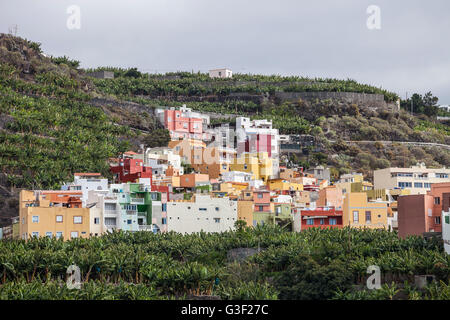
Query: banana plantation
[313, 264]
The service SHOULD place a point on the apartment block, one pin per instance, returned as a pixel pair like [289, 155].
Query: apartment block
[201, 213]
[418, 178]
[183, 123]
[52, 214]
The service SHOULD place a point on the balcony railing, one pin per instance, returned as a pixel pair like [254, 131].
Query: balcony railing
[137, 200]
[131, 212]
[145, 228]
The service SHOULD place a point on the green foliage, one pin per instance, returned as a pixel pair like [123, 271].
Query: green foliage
[67, 61]
[307, 265]
[51, 132]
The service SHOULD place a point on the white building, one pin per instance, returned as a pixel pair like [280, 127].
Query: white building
[236, 176]
[160, 158]
[445, 107]
[220, 73]
[203, 214]
[86, 182]
[418, 178]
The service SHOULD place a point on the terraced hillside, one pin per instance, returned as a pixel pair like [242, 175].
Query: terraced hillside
[48, 127]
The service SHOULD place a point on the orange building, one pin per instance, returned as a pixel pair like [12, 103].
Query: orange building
[330, 196]
[53, 214]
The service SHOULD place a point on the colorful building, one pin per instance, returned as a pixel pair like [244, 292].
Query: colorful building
[53, 214]
[358, 212]
[418, 178]
[184, 123]
[130, 170]
[330, 196]
[422, 213]
[258, 164]
[320, 217]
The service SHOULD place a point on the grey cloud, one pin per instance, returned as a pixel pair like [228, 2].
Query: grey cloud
[323, 38]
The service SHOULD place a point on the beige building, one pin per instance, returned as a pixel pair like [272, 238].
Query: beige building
[360, 213]
[418, 178]
[40, 215]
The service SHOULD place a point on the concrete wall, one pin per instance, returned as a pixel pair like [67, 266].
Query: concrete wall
[190, 217]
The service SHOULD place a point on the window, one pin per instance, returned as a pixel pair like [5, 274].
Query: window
[442, 175]
[368, 216]
[310, 222]
[77, 219]
[355, 216]
[437, 220]
[59, 234]
[405, 184]
[59, 219]
[217, 208]
[261, 208]
[260, 195]
[129, 221]
[245, 166]
[164, 220]
[427, 185]
[96, 220]
[74, 234]
[333, 221]
[35, 219]
[202, 209]
[437, 200]
[35, 234]
[110, 221]
[164, 207]
[49, 234]
[322, 221]
[110, 206]
[418, 185]
[217, 220]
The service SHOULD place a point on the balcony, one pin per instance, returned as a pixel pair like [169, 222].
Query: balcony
[145, 228]
[137, 200]
[131, 212]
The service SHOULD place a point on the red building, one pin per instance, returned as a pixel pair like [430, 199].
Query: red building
[421, 213]
[129, 170]
[321, 217]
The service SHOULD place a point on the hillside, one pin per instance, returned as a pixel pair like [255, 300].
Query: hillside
[54, 120]
[48, 127]
[334, 111]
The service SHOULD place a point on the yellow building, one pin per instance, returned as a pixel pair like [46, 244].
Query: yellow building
[233, 188]
[353, 182]
[259, 164]
[245, 211]
[359, 213]
[40, 217]
[284, 185]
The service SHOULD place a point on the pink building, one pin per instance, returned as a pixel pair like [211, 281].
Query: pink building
[184, 124]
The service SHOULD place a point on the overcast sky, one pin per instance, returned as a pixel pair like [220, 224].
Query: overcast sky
[320, 38]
